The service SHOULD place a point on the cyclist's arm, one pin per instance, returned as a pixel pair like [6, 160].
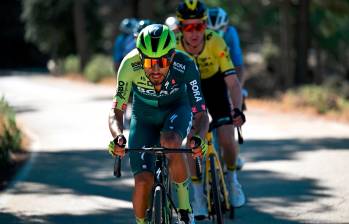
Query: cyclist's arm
[234, 89]
[197, 101]
[123, 89]
[116, 124]
[200, 124]
[229, 72]
[240, 74]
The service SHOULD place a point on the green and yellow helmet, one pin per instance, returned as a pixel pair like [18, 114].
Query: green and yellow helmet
[155, 41]
[191, 9]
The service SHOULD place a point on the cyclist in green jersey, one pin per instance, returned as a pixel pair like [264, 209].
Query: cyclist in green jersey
[166, 97]
[221, 89]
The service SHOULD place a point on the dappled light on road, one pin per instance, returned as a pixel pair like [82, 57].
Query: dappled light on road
[295, 171]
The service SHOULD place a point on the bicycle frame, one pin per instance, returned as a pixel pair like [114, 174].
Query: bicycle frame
[212, 154]
[162, 181]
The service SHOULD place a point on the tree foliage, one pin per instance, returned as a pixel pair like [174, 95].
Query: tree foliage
[270, 26]
[326, 39]
[329, 22]
[49, 24]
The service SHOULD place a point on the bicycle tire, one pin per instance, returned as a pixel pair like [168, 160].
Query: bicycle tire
[157, 206]
[169, 208]
[215, 188]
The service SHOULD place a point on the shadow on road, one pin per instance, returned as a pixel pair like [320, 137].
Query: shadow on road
[89, 173]
[121, 216]
[286, 149]
[24, 109]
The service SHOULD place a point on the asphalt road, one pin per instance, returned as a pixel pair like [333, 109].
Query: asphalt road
[296, 171]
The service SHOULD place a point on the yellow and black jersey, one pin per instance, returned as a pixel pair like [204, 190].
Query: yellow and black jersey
[214, 58]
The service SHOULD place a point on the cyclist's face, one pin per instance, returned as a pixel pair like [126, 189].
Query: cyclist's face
[157, 70]
[193, 31]
[156, 74]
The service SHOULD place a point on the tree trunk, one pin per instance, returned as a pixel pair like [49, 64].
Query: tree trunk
[286, 48]
[302, 42]
[150, 5]
[80, 33]
[319, 70]
[135, 11]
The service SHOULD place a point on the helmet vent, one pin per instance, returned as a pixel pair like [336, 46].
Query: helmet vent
[214, 20]
[167, 42]
[154, 43]
[142, 40]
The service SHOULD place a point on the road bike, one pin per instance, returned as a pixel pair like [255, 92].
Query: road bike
[214, 182]
[162, 205]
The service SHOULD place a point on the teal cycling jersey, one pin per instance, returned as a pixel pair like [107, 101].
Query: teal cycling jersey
[181, 85]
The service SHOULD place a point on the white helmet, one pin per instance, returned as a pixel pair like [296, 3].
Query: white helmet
[172, 22]
[217, 19]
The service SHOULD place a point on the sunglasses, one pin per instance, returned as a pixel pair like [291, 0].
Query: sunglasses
[194, 26]
[162, 62]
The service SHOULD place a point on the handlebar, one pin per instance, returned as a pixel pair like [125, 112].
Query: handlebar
[240, 138]
[157, 151]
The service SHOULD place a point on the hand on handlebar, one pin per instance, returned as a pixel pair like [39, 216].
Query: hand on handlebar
[117, 146]
[238, 117]
[198, 145]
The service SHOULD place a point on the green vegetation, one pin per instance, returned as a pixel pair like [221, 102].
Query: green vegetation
[323, 99]
[71, 64]
[10, 135]
[101, 66]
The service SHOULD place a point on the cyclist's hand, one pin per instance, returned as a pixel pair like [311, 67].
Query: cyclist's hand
[117, 146]
[198, 145]
[238, 117]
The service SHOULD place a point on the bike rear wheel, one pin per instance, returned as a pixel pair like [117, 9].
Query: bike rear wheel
[215, 188]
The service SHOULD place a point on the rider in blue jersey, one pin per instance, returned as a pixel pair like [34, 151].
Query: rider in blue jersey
[218, 20]
[124, 42]
[231, 37]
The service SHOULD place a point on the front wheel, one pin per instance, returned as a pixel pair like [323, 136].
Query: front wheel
[217, 207]
[157, 206]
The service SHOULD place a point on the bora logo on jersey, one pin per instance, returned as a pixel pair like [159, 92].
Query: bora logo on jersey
[179, 67]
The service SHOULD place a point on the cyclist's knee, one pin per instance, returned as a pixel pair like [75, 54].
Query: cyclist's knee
[170, 139]
[228, 143]
[144, 179]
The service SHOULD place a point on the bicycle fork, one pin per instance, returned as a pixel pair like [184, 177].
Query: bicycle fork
[212, 155]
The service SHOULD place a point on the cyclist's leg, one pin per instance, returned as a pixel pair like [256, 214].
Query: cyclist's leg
[227, 143]
[218, 105]
[175, 129]
[143, 186]
[225, 134]
[142, 164]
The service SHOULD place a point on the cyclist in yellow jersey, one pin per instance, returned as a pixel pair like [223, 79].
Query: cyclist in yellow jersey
[221, 89]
